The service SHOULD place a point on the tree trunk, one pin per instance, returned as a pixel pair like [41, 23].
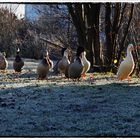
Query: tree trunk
[95, 12]
[109, 48]
[125, 34]
[78, 25]
[86, 20]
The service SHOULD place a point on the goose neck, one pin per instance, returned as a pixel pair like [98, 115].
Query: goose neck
[129, 55]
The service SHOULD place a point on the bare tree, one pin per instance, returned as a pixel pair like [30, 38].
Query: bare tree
[86, 20]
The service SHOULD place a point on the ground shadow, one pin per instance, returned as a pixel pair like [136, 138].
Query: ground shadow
[51, 109]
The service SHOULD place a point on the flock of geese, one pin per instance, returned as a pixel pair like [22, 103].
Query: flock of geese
[73, 70]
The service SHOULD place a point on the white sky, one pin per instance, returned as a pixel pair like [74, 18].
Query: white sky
[18, 9]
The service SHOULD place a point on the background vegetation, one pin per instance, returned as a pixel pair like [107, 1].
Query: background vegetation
[103, 29]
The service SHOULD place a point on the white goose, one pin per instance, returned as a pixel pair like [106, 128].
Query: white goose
[127, 66]
[86, 64]
[64, 62]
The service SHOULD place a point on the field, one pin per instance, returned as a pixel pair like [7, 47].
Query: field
[58, 107]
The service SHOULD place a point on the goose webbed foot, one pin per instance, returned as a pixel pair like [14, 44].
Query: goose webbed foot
[129, 79]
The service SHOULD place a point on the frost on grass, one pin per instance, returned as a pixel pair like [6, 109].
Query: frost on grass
[58, 107]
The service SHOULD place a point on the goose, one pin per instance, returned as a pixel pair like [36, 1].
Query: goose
[75, 69]
[64, 62]
[86, 64]
[3, 61]
[18, 62]
[44, 66]
[127, 66]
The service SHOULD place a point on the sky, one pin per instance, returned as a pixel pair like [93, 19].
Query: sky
[30, 12]
[18, 9]
[21, 10]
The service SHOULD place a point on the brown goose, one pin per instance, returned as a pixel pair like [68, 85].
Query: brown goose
[18, 62]
[3, 61]
[75, 69]
[44, 66]
[64, 62]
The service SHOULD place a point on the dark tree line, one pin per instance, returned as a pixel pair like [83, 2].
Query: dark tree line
[117, 17]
